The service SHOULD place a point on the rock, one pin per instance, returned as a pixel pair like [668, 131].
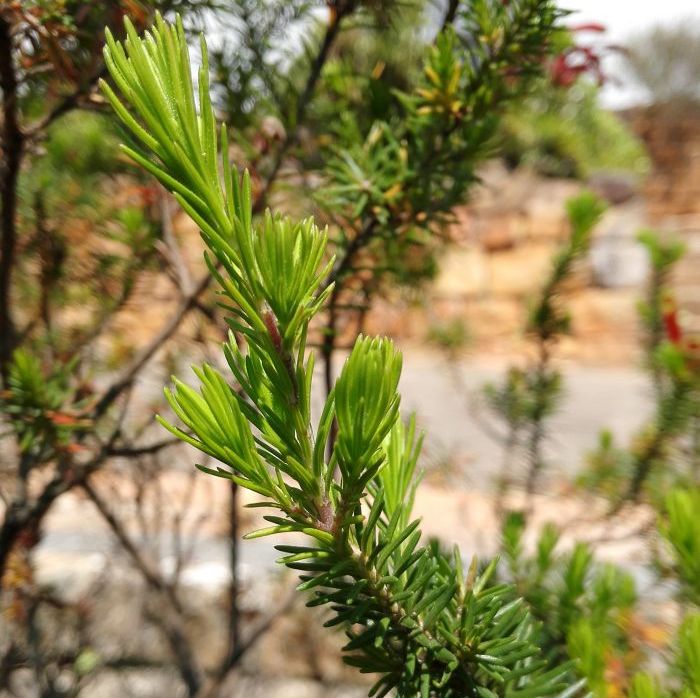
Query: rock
[463, 272]
[614, 187]
[617, 259]
[520, 271]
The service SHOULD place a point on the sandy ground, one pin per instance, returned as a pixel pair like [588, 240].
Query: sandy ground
[462, 457]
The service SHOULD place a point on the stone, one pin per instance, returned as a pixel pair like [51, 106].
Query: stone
[617, 259]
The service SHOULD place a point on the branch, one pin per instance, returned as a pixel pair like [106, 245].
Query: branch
[211, 690]
[329, 38]
[21, 514]
[450, 14]
[191, 299]
[137, 451]
[67, 104]
[147, 571]
[172, 627]
[12, 142]
[126, 379]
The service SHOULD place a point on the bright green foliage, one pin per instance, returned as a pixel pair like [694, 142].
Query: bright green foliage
[688, 657]
[366, 406]
[645, 686]
[398, 477]
[411, 614]
[566, 133]
[583, 605]
[680, 526]
[530, 395]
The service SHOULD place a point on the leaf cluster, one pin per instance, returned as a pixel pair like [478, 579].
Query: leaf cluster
[583, 605]
[400, 175]
[413, 616]
[681, 529]
[34, 406]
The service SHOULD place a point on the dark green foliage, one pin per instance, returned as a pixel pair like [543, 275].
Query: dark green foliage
[33, 403]
[390, 183]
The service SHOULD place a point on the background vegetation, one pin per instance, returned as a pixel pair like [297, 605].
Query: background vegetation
[373, 117]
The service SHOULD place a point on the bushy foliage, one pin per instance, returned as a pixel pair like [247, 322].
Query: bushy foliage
[663, 452]
[566, 133]
[411, 614]
[530, 395]
[584, 606]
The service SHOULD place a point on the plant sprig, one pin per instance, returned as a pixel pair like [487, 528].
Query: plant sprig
[411, 613]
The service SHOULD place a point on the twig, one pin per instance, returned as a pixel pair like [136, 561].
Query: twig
[344, 9]
[147, 571]
[211, 690]
[137, 451]
[171, 626]
[12, 141]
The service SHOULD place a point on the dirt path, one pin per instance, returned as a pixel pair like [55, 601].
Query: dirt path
[461, 458]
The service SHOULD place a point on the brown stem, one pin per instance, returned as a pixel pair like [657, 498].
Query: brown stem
[234, 625]
[126, 379]
[23, 514]
[171, 625]
[305, 98]
[342, 268]
[450, 14]
[537, 432]
[12, 141]
[211, 690]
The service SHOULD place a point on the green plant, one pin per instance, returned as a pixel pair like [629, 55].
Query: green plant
[391, 183]
[34, 403]
[566, 133]
[681, 529]
[665, 451]
[530, 395]
[688, 654]
[583, 606]
[410, 612]
[682, 677]
[654, 310]
[645, 686]
[450, 336]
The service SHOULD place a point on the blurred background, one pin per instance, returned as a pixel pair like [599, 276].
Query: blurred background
[122, 568]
